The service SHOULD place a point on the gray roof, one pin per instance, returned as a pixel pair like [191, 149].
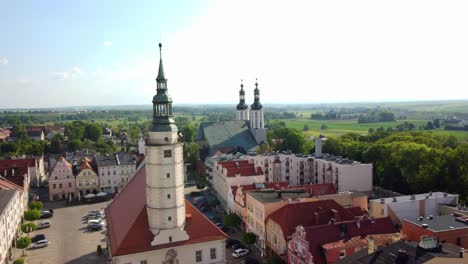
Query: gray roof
[117, 159]
[272, 196]
[5, 198]
[440, 223]
[390, 254]
[227, 134]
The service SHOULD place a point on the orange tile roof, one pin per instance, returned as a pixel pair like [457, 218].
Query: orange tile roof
[240, 167]
[127, 222]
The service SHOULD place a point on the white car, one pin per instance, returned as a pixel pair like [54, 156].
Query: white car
[95, 222]
[41, 244]
[238, 253]
[44, 224]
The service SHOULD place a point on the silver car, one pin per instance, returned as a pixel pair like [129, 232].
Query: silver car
[41, 244]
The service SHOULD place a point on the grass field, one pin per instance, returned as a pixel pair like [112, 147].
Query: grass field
[340, 127]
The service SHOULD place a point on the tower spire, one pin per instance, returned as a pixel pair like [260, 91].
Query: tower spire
[162, 102]
[242, 105]
[161, 76]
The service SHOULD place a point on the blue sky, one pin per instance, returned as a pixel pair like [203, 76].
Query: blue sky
[64, 53]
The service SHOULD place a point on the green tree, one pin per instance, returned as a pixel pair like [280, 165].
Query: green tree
[191, 154]
[188, 131]
[249, 238]
[323, 127]
[19, 131]
[437, 123]
[11, 148]
[429, 125]
[32, 214]
[371, 130]
[75, 144]
[306, 128]
[134, 134]
[275, 260]
[93, 132]
[19, 261]
[28, 227]
[290, 139]
[232, 220]
[35, 205]
[23, 243]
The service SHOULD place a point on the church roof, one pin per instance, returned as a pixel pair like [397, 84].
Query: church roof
[127, 222]
[227, 134]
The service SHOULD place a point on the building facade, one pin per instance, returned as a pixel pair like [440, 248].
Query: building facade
[256, 111]
[62, 184]
[295, 169]
[87, 180]
[11, 215]
[115, 171]
[227, 174]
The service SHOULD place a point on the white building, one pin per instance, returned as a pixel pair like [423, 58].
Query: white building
[150, 221]
[11, 214]
[256, 111]
[115, 171]
[227, 174]
[294, 169]
[411, 206]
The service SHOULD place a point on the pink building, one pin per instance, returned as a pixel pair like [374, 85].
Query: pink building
[61, 181]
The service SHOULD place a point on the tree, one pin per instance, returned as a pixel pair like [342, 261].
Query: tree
[437, 123]
[323, 127]
[290, 139]
[20, 132]
[28, 227]
[306, 128]
[249, 238]
[93, 132]
[275, 260]
[23, 243]
[232, 220]
[32, 214]
[191, 154]
[188, 131]
[429, 125]
[371, 130]
[75, 144]
[134, 134]
[19, 261]
[36, 205]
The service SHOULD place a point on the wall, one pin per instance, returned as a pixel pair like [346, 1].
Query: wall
[458, 237]
[185, 254]
[10, 220]
[62, 175]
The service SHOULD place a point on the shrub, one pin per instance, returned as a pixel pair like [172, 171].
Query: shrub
[28, 227]
[19, 261]
[36, 205]
[32, 214]
[249, 238]
[23, 242]
[232, 220]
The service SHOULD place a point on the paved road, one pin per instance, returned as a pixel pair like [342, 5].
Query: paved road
[71, 243]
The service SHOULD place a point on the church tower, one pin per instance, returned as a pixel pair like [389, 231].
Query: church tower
[256, 110]
[165, 203]
[242, 112]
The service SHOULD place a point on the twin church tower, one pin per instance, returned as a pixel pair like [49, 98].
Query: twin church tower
[255, 113]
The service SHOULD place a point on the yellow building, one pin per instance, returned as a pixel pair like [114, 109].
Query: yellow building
[87, 180]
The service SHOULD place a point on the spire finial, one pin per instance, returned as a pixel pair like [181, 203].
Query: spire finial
[161, 76]
[242, 83]
[256, 82]
[160, 50]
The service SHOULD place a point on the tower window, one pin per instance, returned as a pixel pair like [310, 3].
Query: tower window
[168, 175]
[169, 218]
[170, 239]
[167, 153]
[168, 196]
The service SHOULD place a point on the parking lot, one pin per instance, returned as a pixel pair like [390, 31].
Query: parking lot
[70, 241]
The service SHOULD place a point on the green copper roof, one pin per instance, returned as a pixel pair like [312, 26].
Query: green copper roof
[256, 105]
[161, 75]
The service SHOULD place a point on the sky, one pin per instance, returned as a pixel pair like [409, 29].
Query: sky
[88, 53]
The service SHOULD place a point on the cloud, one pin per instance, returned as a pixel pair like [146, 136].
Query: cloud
[107, 43]
[63, 75]
[3, 61]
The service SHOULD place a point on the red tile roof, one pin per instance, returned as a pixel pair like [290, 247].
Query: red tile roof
[127, 222]
[361, 241]
[85, 165]
[240, 167]
[323, 234]
[15, 163]
[8, 185]
[318, 213]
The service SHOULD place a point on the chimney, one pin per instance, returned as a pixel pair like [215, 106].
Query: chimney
[317, 218]
[370, 245]
[445, 194]
[461, 252]
[413, 197]
[394, 199]
[318, 147]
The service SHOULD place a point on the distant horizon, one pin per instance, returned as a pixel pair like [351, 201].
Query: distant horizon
[234, 104]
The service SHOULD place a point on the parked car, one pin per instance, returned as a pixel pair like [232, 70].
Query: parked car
[38, 237]
[41, 244]
[95, 227]
[225, 229]
[95, 222]
[43, 225]
[218, 224]
[231, 242]
[46, 214]
[238, 253]
[249, 260]
[237, 246]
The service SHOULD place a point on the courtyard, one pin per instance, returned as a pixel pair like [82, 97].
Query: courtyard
[70, 241]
